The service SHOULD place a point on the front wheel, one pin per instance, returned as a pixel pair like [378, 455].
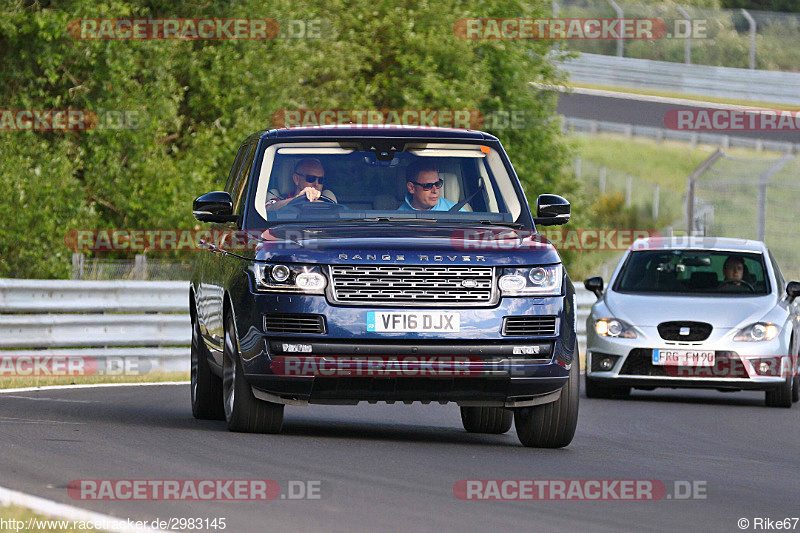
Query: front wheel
[494, 420]
[205, 387]
[243, 411]
[782, 396]
[597, 390]
[551, 425]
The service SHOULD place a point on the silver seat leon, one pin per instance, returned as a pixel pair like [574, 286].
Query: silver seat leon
[694, 312]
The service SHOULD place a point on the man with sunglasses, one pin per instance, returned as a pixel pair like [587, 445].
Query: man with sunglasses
[424, 189]
[309, 179]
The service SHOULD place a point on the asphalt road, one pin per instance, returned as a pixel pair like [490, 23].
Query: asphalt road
[393, 467]
[643, 113]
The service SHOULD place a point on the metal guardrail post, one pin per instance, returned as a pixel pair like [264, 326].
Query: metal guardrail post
[655, 202]
[752, 22]
[687, 47]
[77, 265]
[620, 14]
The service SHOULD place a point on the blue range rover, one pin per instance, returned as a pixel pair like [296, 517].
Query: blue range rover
[379, 263]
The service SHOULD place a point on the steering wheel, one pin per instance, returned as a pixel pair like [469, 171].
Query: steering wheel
[743, 282]
[302, 201]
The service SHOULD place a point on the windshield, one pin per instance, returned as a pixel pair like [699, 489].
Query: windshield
[430, 181]
[694, 271]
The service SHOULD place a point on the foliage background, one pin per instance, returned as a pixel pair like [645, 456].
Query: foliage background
[196, 100]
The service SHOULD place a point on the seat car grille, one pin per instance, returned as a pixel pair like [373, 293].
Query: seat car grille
[694, 331]
[412, 284]
[529, 325]
[640, 363]
[284, 323]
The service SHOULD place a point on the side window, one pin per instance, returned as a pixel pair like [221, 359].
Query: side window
[240, 189]
[778, 275]
[237, 165]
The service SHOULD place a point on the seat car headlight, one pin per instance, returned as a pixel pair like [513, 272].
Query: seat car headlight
[289, 278]
[760, 331]
[611, 327]
[532, 281]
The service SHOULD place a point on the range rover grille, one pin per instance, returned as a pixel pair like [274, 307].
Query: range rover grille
[529, 325]
[412, 284]
[285, 323]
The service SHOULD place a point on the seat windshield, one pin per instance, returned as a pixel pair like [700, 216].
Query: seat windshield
[694, 271]
[452, 182]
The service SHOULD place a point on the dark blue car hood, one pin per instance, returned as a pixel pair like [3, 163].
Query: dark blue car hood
[405, 243]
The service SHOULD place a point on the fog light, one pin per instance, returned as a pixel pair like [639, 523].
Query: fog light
[606, 363]
[763, 368]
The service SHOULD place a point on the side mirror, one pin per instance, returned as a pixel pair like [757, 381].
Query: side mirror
[551, 210]
[594, 284]
[214, 206]
[793, 289]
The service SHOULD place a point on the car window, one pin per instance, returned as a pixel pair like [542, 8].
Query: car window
[694, 271]
[781, 282]
[237, 166]
[474, 183]
[243, 180]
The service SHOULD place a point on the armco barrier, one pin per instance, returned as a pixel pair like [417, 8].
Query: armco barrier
[725, 82]
[118, 319]
[98, 319]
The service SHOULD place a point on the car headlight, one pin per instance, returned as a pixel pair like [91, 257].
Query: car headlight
[531, 281]
[760, 331]
[289, 278]
[611, 327]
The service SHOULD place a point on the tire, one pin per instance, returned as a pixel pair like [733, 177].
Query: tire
[796, 389]
[495, 420]
[782, 396]
[607, 392]
[243, 411]
[551, 425]
[205, 387]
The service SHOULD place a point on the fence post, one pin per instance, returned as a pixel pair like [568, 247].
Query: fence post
[687, 47]
[752, 22]
[655, 202]
[140, 267]
[602, 180]
[690, 186]
[763, 183]
[620, 14]
[77, 265]
[628, 187]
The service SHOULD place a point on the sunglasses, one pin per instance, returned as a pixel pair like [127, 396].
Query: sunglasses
[311, 178]
[429, 186]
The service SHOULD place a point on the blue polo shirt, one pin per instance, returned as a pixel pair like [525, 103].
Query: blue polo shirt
[442, 205]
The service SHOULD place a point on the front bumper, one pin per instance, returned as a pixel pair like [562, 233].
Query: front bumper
[737, 364]
[345, 363]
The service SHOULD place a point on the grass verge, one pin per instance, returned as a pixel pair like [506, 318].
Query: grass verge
[40, 523]
[14, 382]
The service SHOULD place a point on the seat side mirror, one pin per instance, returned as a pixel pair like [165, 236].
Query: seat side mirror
[793, 289]
[594, 284]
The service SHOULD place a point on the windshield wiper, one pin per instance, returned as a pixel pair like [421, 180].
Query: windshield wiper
[504, 224]
[390, 219]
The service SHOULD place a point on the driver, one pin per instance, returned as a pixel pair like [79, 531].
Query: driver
[309, 178]
[424, 188]
[733, 270]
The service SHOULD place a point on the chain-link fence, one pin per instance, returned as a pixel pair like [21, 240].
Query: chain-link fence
[662, 205]
[701, 36]
[141, 268]
[752, 199]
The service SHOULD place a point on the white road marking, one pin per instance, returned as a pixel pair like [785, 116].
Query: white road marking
[91, 386]
[68, 512]
[36, 421]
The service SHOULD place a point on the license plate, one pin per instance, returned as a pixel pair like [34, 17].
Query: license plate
[413, 321]
[683, 358]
